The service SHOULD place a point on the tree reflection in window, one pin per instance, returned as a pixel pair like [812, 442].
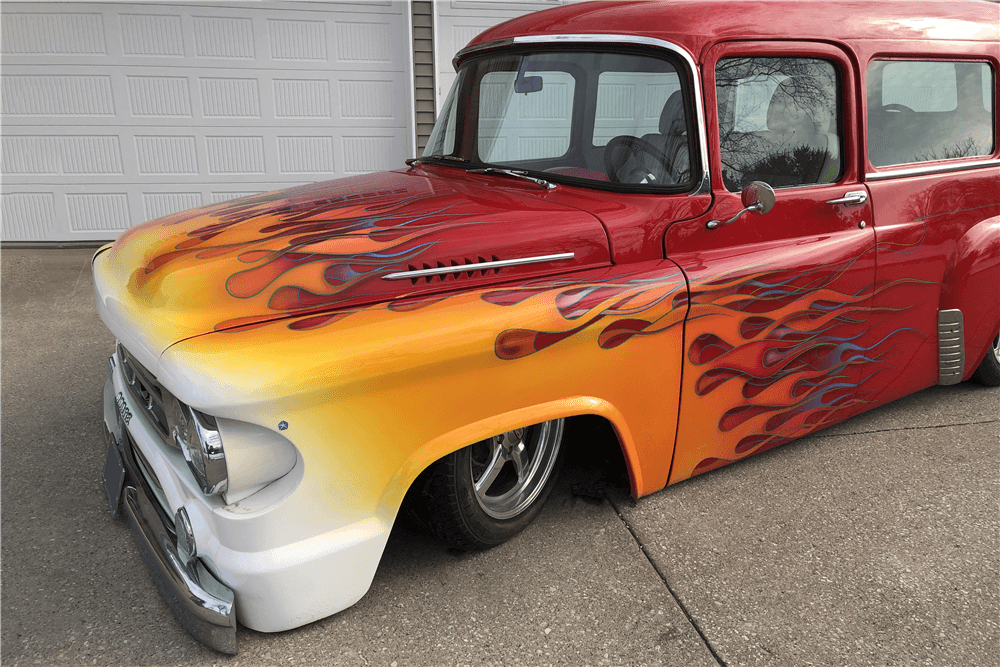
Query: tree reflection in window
[779, 121]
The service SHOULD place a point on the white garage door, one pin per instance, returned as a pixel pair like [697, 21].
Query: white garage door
[118, 113]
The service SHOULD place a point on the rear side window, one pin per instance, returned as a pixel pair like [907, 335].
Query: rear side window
[929, 110]
[779, 121]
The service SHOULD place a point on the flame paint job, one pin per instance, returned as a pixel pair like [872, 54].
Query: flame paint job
[636, 307]
[773, 355]
[325, 246]
[700, 348]
[435, 365]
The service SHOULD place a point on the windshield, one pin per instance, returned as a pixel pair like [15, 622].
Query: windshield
[608, 119]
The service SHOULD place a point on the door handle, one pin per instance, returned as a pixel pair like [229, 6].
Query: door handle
[851, 198]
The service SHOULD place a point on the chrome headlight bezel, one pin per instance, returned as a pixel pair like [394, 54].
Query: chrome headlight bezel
[197, 435]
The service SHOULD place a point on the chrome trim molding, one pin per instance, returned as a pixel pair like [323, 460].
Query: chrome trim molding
[495, 44]
[202, 604]
[951, 346]
[935, 169]
[479, 266]
[705, 187]
[197, 436]
[187, 546]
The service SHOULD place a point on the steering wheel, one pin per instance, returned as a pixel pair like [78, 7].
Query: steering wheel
[623, 150]
[901, 108]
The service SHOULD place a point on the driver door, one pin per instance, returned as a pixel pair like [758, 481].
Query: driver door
[776, 333]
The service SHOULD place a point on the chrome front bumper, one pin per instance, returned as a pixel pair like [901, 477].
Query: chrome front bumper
[202, 604]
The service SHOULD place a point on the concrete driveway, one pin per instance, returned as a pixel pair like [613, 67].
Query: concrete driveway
[873, 543]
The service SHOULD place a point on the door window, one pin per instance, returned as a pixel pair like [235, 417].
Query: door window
[779, 121]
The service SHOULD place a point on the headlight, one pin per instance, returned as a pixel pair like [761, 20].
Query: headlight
[197, 435]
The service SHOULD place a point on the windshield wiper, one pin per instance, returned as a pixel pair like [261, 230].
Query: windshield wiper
[516, 173]
[424, 158]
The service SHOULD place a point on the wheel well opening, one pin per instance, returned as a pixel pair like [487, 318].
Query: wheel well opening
[593, 465]
[594, 460]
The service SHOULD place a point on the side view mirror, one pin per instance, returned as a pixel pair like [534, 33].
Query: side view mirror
[757, 197]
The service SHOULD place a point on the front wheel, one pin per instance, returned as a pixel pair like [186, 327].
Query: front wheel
[989, 370]
[488, 492]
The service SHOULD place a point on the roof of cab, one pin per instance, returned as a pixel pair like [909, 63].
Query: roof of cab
[694, 24]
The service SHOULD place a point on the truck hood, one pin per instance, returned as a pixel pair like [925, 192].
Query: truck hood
[329, 246]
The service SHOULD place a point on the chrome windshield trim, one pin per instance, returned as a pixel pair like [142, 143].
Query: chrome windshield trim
[933, 169]
[479, 266]
[495, 44]
[705, 187]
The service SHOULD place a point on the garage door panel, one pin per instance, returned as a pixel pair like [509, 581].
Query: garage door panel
[208, 97]
[99, 212]
[136, 156]
[294, 36]
[115, 113]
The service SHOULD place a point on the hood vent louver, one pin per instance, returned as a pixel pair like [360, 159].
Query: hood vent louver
[459, 273]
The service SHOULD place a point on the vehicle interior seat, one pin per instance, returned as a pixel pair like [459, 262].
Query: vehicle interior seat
[673, 141]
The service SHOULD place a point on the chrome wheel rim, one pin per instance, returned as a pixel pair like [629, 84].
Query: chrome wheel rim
[996, 348]
[510, 470]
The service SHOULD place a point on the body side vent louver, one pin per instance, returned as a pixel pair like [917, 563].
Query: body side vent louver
[459, 273]
[951, 346]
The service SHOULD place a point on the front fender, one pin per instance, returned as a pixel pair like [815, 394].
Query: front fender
[457, 439]
[372, 396]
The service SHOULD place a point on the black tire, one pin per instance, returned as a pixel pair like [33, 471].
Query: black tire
[523, 463]
[989, 370]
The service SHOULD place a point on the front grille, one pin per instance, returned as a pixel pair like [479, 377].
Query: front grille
[145, 390]
[144, 467]
[140, 466]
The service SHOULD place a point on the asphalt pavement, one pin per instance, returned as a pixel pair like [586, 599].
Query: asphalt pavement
[875, 542]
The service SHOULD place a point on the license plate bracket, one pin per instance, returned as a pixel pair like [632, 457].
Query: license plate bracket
[113, 477]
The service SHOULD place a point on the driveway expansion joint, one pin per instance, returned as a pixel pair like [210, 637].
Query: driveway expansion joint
[902, 428]
[663, 578]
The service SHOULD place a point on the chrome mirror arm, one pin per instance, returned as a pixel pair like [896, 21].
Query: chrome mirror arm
[753, 208]
[757, 197]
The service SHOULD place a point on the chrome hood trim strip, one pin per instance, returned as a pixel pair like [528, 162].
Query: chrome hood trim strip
[478, 266]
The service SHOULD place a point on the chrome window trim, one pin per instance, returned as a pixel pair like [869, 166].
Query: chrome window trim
[495, 44]
[705, 187]
[479, 266]
[932, 169]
